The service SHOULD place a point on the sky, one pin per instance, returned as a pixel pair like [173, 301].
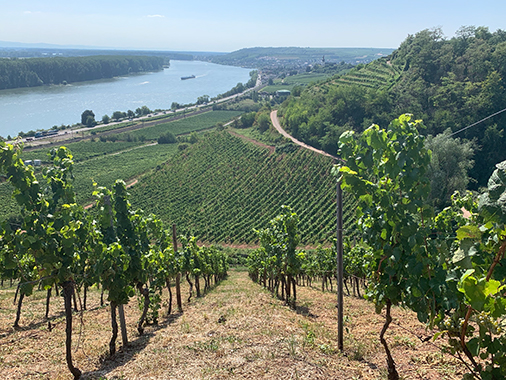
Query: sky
[228, 25]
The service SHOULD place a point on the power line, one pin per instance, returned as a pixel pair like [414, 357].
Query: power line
[478, 122]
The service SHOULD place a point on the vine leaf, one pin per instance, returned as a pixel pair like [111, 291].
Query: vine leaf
[492, 203]
[468, 231]
[477, 290]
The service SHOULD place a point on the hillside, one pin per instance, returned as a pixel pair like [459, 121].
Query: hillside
[125, 156]
[222, 187]
[449, 83]
[262, 57]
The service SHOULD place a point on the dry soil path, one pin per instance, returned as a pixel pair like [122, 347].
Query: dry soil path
[277, 125]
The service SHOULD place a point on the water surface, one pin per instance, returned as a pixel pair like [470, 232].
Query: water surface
[42, 107]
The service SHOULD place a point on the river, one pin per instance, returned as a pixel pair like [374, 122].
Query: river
[35, 108]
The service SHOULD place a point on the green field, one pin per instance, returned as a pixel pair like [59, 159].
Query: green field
[83, 150]
[99, 161]
[189, 124]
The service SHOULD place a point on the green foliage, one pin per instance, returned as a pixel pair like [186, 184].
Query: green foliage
[142, 111]
[263, 122]
[449, 83]
[58, 242]
[62, 70]
[277, 260]
[88, 118]
[386, 171]
[247, 120]
[449, 166]
[445, 267]
[189, 124]
[167, 138]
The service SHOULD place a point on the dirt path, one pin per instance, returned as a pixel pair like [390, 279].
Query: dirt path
[277, 125]
[239, 331]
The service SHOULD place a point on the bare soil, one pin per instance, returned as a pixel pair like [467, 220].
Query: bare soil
[236, 331]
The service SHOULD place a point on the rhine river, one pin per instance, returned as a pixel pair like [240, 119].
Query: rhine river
[43, 107]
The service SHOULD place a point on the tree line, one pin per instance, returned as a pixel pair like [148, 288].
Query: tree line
[15, 73]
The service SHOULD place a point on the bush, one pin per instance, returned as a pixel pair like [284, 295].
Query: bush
[167, 138]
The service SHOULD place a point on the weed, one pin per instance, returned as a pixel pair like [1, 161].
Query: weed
[292, 345]
[310, 335]
[327, 349]
[212, 345]
[402, 341]
[185, 326]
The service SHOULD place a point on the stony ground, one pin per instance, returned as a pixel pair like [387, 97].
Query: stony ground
[236, 331]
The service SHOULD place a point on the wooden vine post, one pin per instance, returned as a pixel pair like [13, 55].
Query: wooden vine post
[340, 270]
[178, 276]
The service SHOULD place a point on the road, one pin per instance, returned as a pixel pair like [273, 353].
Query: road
[277, 125]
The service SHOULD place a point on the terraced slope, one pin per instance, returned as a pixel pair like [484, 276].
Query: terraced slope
[222, 187]
[377, 74]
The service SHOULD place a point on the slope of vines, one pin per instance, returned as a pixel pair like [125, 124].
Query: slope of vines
[222, 187]
[376, 74]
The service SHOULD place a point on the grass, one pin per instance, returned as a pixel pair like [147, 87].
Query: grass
[261, 338]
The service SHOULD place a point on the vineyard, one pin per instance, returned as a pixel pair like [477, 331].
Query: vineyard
[186, 125]
[82, 150]
[222, 187]
[377, 74]
[102, 163]
[60, 247]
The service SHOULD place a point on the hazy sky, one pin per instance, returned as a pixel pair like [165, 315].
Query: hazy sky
[227, 25]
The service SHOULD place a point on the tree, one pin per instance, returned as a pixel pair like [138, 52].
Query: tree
[167, 138]
[248, 119]
[142, 111]
[204, 99]
[449, 166]
[106, 119]
[118, 115]
[296, 90]
[264, 122]
[88, 118]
